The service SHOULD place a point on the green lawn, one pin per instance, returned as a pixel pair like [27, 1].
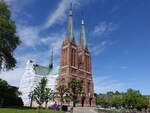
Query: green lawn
[106, 111]
[25, 110]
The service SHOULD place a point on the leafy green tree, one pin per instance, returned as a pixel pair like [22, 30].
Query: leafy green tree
[8, 38]
[110, 93]
[75, 91]
[134, 99]
[100, 100]
[39, 92]
[3, 89]
[130, 99]
[62, 91]
[116, 101]
[49, 95]
[110, 99]
[9, 95]
[117, 93]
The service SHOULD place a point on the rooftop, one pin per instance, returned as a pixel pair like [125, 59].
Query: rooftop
[45, 71]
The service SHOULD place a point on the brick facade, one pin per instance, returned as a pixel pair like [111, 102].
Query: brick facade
[75, 63]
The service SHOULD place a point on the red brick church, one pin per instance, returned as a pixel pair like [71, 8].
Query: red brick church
[75, 63]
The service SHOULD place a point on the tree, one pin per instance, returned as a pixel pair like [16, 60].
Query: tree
[39, 92]
[75, 91]
[134, 99]
[49, 95]
[62, 91]
[31, 97]
[130, 99]
[8, 38]
[110, 93]
[100, 100]
[3, 89]
[116, 100]
[109, 100]
[9, 95]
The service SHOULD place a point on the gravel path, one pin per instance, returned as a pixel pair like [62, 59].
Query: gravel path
[84, 110]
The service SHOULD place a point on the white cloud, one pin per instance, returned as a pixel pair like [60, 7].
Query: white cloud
[104, 28]
[10, 1]
[53, 40]
[29, 35]
[59, 16]
[17, 7]
[98, 49]
[12, 77]
[18, 3]
[104, 84]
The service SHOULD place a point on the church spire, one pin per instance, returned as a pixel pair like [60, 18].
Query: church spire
[70, 34]
[83, 43]
[51, 60]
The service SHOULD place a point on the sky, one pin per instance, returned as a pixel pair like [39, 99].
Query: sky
[117, 32]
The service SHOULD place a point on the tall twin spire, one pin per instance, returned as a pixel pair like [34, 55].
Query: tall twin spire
[83, 42]
[70, 33]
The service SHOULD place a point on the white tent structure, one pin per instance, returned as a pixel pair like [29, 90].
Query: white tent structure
[32, 76]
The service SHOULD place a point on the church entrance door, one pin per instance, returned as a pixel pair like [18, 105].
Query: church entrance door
[82, 101]
[90, 101]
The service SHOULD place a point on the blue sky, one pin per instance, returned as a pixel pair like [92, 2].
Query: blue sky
[118, 35]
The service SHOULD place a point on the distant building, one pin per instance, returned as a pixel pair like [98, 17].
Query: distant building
[75, 63]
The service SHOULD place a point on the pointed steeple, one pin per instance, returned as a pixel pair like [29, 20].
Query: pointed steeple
[83, 43]
[51, 60]
[70, 33]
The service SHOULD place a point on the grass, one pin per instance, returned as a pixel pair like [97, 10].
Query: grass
[26, 110]
[107, 111]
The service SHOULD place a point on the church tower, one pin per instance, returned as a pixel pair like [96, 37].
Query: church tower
[84, 68]
[68, 62]
[75, 63]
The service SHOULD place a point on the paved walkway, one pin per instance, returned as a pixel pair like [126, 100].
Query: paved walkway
[84, 110]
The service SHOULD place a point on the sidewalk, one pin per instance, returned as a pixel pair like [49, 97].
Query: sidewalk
[84, 110]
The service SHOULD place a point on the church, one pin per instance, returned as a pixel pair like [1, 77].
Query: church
[75, 64]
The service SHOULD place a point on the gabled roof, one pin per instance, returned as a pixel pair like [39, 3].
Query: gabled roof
[54, 71]
[44, 71]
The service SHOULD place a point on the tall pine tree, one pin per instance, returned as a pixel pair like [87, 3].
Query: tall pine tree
[8, 38]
